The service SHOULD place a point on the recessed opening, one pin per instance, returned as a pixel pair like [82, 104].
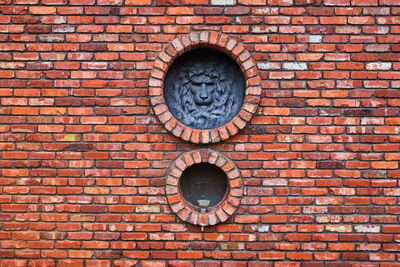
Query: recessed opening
[204, 89]
[203, 181]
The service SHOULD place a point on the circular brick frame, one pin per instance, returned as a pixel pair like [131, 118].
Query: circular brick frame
[219, 42]
[184, 209]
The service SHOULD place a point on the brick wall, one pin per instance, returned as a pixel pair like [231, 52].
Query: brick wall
[83, 159]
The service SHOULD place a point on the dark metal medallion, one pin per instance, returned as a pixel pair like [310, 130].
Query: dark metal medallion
[204, 89]
[203, 181]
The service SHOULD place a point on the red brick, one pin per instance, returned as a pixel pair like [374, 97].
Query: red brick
[82, 152]
[271, 255]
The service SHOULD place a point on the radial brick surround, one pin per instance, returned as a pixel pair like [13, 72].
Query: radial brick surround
[189, 213]
[224, 44]
[87, 142]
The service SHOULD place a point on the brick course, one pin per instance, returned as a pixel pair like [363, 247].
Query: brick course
[84, 158]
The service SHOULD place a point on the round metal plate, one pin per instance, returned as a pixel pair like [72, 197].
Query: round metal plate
[203, 180]
[204, 89]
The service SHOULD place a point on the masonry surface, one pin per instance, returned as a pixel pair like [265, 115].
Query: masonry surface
[84, 160]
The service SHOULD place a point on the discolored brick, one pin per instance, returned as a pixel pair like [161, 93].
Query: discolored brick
[311, 159]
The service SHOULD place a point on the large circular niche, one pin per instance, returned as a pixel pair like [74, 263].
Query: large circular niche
[203, 181]
[204, 89]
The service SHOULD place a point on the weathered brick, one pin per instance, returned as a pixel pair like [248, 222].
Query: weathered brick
[82, 152]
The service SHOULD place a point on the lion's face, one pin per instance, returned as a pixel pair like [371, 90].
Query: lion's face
[203, 87]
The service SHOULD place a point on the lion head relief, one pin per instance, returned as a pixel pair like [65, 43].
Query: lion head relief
[204, 90]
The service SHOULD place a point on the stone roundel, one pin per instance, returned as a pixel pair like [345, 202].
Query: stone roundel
[190, 213]
[219, 42]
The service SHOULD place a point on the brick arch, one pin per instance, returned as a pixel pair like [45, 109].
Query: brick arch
[191, 214]
[219, 42]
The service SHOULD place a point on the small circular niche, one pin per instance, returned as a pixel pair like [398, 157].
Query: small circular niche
[203, 187]
[204, 89]
[203, 181]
